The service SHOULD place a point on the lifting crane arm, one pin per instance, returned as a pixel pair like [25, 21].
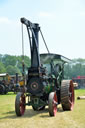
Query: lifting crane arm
[34, 42]
[28, 23]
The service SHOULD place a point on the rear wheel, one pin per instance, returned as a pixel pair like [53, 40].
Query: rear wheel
[20, 104]
[2, 89]
[6, 89]
[52, 103]
[67, 95]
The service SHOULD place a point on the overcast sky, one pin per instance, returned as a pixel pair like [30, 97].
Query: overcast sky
[62, 23]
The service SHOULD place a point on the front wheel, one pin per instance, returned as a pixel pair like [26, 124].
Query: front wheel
[20, 104]
[52, 103]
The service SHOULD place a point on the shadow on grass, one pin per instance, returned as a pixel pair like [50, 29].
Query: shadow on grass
[29, 113]
[9, 94]
[60, 109]
[10, 114]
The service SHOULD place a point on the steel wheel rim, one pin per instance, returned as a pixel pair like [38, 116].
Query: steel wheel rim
[22, 105]
[71, 96]
[54, 104]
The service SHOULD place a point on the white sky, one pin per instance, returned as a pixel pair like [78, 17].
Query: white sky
[62, 23]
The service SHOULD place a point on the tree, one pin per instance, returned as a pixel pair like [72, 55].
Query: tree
[75, 68]
[13, 64]
[9, 60]
[2, 68]
[1, 56]
[26, 62]
[67, 71]
[12, 70]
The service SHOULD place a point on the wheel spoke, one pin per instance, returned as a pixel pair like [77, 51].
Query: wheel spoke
[70, 94]
[55, 103]
[70, 102]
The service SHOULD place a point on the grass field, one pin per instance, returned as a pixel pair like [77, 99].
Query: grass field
[33, 119]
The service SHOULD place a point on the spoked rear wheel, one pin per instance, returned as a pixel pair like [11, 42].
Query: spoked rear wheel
[67, 95]
[20, 104]
[52, 103]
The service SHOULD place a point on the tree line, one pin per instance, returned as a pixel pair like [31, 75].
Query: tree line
[75, 68]
[13, 64]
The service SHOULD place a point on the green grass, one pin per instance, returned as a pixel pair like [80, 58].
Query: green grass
[78, 113]
[33, 119]
[6, 104]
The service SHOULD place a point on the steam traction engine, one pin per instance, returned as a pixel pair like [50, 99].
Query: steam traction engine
[45, 84]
